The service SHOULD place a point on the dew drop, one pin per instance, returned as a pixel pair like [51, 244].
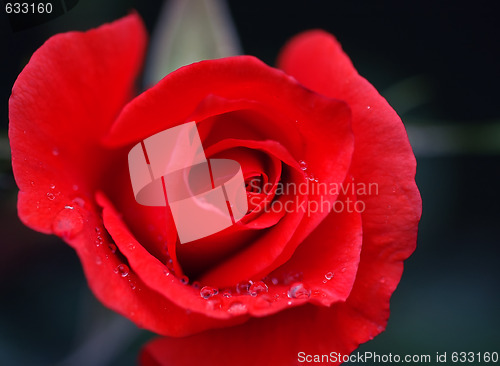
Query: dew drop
[132, 284]
[131, 246]
[257, 288]
[368, 107]
[122, 270]
[243, 287]
[166, 272]
[227, 293]
[299, 291]
[67, 223]
[275, 281]
[32, 183]
[52, 186]
[98, 240]
[237, 308]
[51, 196]
[343, 269]
[329, 276]
[289, 303]
[303, 165]
[170, 264]
[196, 285]
[184, 280]
[207, 292]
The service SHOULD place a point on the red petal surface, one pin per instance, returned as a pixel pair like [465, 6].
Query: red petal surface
[274, 340]
[62, 104]
[382, 155]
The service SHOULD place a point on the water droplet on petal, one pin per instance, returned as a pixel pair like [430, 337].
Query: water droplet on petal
[237, 308]
[275, 281]
[257, 288]
[303, 165]
[343, 270]
[299, 291]
[227, 293]
[132, 284]
[184, 280]
[329, 276]
[98, 240]
[52, 186]
[131, 246]
[67, 223]
[242, 287]
[196, 285]
[368, 107]
[32, 183]
[122, 270]
[170, 264]
[207, 292]
[51, 196]
[166, 272]
[112, 248]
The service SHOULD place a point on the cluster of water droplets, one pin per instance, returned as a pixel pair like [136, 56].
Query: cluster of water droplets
[123, 270]
[68, 222]
[287, 287]
[309, 176]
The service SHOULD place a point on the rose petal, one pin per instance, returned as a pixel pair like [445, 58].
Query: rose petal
[62, 103]
[383, 156]
[275, 340]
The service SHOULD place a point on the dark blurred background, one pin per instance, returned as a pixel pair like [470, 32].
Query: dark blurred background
[435, 61]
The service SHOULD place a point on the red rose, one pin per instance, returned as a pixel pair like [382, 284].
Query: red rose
[302, 272]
